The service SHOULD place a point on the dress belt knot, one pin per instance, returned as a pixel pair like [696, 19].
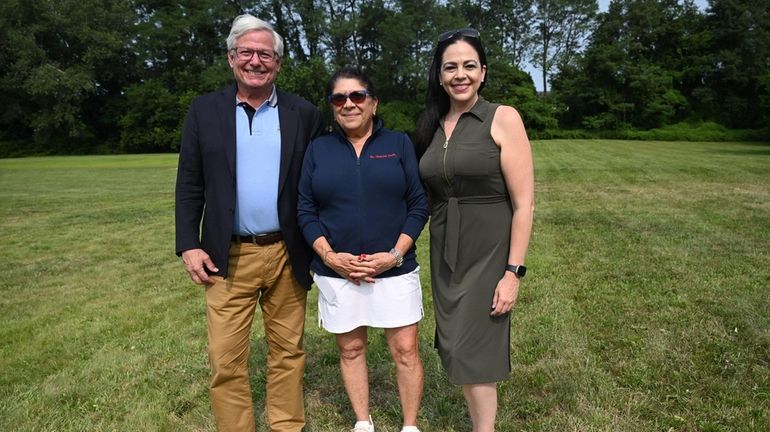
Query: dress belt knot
[452, 233]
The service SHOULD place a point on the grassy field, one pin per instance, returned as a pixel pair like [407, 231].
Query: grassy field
[645, 308]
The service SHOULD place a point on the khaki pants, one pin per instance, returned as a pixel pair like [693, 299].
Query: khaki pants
[264, 274]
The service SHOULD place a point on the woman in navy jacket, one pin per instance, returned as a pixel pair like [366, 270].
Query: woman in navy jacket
[362, 207]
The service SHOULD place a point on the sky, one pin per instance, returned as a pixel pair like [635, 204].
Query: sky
[603, 5]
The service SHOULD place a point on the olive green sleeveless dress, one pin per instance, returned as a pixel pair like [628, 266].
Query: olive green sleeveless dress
[470, 228]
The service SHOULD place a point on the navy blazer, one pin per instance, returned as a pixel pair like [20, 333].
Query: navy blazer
[205, 184]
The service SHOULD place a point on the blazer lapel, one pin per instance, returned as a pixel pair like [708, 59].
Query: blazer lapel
[289, 124]
[226, 113]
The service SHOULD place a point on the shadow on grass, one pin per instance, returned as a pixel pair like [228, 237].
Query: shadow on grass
[327, 404]
[746, 152]
[750, 148]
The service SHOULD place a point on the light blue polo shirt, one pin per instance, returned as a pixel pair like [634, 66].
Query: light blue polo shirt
[258, 163]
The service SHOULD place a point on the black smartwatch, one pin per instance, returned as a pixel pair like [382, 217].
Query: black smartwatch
[518, 270]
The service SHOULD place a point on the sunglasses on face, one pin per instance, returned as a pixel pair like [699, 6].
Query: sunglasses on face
[468, 32]
[357, 97]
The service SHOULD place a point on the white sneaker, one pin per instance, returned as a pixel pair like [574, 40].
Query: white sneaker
[410, 429]
[364, 426]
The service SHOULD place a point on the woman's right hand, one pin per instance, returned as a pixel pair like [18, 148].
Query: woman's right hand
[350, 267]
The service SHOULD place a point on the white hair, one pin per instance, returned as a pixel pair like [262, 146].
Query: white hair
[246, 23]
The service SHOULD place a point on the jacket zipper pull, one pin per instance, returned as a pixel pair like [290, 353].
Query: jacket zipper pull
[446, 143]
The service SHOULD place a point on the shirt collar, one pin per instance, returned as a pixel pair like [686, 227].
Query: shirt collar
[477, 110]
[272, 101]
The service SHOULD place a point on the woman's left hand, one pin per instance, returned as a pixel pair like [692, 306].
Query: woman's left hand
[379, 262]
[506, 293]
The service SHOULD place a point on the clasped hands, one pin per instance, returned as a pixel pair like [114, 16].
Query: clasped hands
[357, 268]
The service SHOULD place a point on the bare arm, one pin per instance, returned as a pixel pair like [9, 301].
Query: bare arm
[518, 170]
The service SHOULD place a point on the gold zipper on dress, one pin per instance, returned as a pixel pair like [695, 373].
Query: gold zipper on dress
[446, 143]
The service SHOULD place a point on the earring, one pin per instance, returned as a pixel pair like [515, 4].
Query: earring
[441, 83]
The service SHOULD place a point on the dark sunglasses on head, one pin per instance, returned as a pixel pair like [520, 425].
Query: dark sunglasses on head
[469, 32]
[357, 97]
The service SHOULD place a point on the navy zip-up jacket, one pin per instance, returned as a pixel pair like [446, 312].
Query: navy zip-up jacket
[362, 204]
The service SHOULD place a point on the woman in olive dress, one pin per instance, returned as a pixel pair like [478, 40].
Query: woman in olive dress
[476, 163]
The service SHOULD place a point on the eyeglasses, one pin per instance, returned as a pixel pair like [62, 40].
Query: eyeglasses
[468, 32]
[246, 54]
[357, 97]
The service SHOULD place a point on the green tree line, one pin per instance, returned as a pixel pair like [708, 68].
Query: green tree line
[106, 76]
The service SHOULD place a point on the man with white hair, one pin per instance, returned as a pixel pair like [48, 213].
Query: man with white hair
[239, 165]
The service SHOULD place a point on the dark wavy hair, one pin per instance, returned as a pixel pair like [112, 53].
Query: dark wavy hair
[436, 98]
[350, 72]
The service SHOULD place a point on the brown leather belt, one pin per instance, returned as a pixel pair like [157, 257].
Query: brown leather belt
[261, 239]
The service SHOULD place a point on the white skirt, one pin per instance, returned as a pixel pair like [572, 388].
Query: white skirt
[388, 303]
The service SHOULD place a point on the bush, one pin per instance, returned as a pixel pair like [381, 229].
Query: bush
[685, 131]
[15, 148]
[700, 131]
[152, 119]
[399, 115]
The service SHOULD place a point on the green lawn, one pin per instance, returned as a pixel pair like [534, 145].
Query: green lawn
[645, 307]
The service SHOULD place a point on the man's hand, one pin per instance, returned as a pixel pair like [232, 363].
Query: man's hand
[194, 262]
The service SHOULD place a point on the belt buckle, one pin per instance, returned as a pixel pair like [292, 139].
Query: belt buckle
[254, 238]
